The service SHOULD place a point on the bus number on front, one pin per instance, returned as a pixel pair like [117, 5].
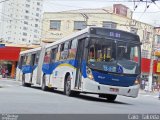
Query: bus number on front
[117, 35]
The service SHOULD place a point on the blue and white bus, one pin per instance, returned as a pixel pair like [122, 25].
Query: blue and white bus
[27, 69]
[95, 60]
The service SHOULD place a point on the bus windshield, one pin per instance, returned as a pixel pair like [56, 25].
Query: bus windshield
[114, 56]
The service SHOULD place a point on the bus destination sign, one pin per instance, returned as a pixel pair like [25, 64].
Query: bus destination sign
[113, 33]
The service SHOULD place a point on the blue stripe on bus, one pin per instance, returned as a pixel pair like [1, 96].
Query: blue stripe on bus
[28, 68]
[84, 71]
[48, 68]
[114, 80]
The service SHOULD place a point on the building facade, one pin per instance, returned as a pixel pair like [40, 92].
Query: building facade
[57, 25]
[21, 21]
[20, 29]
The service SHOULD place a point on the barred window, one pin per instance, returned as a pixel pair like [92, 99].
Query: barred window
[109, 24]
[79, 25]
[55, 24]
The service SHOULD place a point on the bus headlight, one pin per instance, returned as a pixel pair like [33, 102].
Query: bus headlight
[137, 81]
[89, 73]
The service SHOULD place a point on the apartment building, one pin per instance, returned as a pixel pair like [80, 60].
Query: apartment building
[21, 21]
[20, 28]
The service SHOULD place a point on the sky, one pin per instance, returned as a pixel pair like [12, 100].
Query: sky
[149, 15]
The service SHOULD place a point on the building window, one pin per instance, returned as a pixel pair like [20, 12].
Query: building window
[145, 53]
[38, 3]
[25, 34]
[79, 25]
[27, 5]
[27, 11]
[109, 24]
[26, 17]
[158, 39]
[35, 36]
[36, 25]
[25, 22]
[37, 14]
[35, 31]
[55, 24]
[25, 28]
[38, 9]
[36, 20]
[23, 39]
[146, 35]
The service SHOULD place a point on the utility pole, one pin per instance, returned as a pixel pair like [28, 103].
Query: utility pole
[85, 17]
[150, 80]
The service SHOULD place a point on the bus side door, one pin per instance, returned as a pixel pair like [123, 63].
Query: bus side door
[79, 58]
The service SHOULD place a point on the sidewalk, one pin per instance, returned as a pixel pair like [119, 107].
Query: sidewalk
[148, 92]
[7, 79]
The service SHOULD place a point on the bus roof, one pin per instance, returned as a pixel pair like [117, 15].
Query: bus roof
[86, 30]
[30, 50]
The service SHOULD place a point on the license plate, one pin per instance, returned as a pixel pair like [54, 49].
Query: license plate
[49, 85]
[114, 89]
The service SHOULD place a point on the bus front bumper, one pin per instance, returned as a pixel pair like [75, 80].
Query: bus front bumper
[94, 87]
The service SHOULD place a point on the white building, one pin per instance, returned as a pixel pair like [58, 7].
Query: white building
[21, 21]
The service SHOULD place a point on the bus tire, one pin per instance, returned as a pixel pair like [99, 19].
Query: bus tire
[67, 86]
[24, 83]
[109, 97]
[44, 87]
[23, 80]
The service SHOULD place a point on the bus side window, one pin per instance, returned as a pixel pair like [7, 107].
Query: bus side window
[91, 53]
[64, 50]
[33, 57]
[37, 58]
[47, 56]
[53, 55]
[61, 50]
[62, 47]
[69, 45]
[28, 62]
[66, 45]
[73, 48]
[24, 61]
[58, 53]
[20, 63]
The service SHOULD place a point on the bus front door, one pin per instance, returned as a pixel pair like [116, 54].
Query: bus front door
[79, 58]
[33, 67]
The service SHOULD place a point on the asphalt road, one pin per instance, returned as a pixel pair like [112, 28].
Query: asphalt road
[16, 99]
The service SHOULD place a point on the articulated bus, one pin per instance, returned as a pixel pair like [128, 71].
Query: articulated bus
[95, 60]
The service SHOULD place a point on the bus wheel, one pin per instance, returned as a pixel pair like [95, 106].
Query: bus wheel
[23, 80]
[67, 86]
[44, 87]
[111, 98]
[24, 83]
